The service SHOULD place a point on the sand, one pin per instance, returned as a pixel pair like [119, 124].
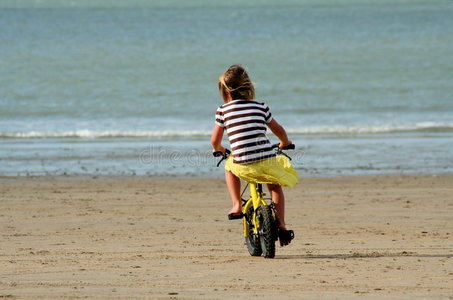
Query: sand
[383, 237]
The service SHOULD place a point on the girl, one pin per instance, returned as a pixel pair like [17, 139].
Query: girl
[252, 156]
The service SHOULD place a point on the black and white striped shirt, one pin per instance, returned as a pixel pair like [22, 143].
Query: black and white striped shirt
[245, 123]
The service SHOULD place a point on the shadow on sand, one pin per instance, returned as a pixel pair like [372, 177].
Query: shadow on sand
[374, 254]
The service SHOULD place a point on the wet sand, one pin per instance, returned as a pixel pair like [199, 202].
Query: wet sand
[383, 237]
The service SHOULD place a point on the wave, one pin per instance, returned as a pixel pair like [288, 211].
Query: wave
[90, 134]
[93, 134]
[417, 127]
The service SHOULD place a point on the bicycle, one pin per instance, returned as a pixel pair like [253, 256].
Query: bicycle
[260, 222]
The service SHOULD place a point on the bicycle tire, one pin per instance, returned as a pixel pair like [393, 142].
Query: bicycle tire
[253, 240]
[267, 231]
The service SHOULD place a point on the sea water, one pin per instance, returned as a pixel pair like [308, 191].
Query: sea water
[130, 87]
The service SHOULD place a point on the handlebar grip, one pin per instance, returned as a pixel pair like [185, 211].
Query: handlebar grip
[287, 147]
[220, 153]
[217, 153]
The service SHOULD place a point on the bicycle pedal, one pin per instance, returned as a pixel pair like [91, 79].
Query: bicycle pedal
[235, 216]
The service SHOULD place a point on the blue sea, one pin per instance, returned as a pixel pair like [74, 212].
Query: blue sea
[130, 87]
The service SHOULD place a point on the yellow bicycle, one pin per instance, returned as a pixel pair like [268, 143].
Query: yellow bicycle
[259, 219]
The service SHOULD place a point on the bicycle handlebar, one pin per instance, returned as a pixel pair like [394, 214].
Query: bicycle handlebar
[274, 146]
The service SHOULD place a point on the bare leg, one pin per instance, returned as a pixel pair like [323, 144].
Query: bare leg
[279, 200]
[234, 187]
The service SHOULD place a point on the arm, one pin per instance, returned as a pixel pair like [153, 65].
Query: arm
[216, 139]
[280, 132]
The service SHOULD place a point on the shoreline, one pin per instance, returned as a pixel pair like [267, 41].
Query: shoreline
[202, 176]
[371, 237]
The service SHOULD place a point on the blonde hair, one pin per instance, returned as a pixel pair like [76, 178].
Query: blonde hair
[237, 83]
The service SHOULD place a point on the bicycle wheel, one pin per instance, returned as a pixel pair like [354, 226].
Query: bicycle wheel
[267, 231]
[253, 240]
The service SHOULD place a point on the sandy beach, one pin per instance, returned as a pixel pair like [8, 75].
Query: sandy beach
[383, 237]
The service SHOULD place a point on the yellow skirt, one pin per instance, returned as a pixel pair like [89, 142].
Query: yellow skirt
[275, 170]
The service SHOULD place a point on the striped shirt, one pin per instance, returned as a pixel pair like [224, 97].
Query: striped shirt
[245, 123]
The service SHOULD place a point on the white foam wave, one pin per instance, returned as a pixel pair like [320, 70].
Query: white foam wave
[88, 134]
[417, 127]
[91, 134]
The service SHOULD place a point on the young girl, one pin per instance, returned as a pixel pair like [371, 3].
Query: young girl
[252, 156]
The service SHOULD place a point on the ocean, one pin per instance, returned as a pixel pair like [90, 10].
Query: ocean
[130, 87]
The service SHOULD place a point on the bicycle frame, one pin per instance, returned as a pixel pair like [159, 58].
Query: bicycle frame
[256, 200]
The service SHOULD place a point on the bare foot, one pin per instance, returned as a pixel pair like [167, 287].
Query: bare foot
[235, 210]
